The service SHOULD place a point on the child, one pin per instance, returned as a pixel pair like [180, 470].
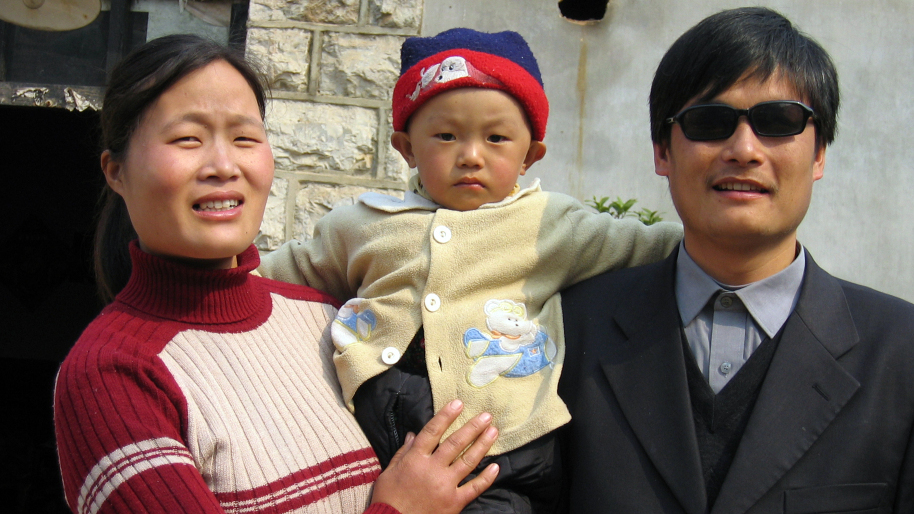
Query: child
[467, 267]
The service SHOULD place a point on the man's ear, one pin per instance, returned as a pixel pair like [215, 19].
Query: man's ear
[113, 172]
[662, 163]
[818, 165]
[400, 141]
[536, 152]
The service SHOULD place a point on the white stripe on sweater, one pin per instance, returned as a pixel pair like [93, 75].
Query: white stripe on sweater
[366, 466]
[126, 462]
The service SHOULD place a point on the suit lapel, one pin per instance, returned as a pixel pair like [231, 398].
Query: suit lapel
[803, 391]
[647, 375]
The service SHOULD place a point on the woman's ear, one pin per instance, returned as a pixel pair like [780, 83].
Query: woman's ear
[400, 141]
[112, 170]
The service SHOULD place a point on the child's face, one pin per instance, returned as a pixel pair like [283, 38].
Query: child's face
[470, 145]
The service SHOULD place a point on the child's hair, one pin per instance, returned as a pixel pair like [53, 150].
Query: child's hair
[133, 86]
[466, 58]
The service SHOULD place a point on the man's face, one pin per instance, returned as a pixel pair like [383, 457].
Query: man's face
[747, 191]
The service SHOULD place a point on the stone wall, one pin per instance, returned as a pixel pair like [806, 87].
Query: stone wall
[331, 65]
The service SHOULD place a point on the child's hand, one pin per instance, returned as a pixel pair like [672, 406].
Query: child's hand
[424, 477]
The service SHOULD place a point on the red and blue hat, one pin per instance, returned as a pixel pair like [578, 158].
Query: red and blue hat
[466, 58]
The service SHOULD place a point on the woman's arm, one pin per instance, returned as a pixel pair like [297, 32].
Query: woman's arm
[424, 476]
[119, 440]
[322, 261]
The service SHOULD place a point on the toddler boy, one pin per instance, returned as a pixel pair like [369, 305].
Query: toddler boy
[453, 291]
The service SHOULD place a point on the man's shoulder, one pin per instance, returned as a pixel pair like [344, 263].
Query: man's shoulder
[874, 309]
[881, 324]
[861, 295]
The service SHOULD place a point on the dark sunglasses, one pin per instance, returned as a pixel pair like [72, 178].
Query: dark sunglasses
[779, 118]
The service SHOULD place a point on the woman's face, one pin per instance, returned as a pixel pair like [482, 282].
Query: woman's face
[197, 170]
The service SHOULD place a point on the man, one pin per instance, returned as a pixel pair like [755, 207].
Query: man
[738, 376]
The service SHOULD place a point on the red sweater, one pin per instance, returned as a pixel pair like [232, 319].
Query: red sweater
[209, 391]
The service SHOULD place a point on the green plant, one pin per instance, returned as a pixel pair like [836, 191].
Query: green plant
[620, 208]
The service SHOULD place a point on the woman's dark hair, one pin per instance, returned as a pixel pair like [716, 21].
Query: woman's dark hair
[133, 86]
[717, 52]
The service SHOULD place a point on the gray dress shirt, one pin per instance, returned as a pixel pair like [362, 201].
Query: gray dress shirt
[724, 324]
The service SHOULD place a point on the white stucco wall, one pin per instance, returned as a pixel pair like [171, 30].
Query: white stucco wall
[859, 226]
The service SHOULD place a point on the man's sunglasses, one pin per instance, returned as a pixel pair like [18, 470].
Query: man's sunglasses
[780, 118]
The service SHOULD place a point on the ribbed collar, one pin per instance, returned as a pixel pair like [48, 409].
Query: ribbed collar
[178, 292]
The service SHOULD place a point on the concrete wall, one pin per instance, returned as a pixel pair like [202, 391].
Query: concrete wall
[859, 225]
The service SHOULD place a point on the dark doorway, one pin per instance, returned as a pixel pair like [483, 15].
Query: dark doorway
[51, 182]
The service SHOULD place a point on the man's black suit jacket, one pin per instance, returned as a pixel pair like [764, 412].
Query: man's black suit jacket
[832, 429]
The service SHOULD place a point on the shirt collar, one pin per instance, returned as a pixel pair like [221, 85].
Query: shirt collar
[769, 301]
[417, 198]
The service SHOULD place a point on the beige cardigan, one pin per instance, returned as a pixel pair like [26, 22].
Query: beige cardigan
[484, 285]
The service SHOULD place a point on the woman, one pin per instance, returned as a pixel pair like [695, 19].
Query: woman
[202, 388]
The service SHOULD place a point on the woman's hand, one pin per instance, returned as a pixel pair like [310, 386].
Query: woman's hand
[424, 477]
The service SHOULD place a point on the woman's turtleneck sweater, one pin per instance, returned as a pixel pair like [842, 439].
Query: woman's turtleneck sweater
[209, 391]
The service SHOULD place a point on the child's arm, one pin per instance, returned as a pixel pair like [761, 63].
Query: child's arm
[596, 243]
[320, 262]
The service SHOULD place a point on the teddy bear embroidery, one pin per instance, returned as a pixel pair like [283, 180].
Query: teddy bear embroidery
[352, 324]
[514, 346]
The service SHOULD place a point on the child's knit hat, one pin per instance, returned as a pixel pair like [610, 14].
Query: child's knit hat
[466, 58]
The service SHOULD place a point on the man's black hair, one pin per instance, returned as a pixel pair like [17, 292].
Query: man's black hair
[755, 42]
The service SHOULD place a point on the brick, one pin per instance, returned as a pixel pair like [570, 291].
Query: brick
[337, 12]
[273, 228]
[394, 166]
[396, 13]
[315, 200]
[283, 55]
[359, 66]
[309, 136]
